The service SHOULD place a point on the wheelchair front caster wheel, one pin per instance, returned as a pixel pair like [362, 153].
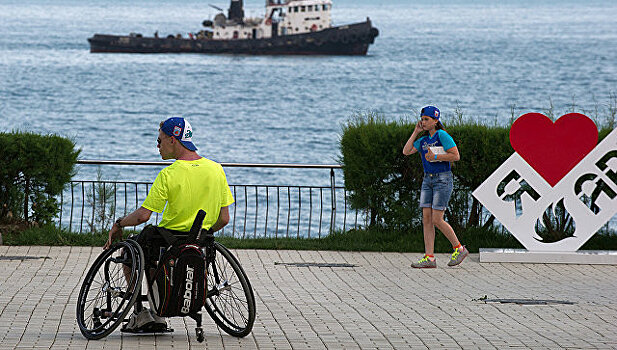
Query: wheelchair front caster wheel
[200, 334]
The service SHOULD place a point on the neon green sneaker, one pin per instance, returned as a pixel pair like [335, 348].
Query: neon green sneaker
[424, 263]
[458, 256]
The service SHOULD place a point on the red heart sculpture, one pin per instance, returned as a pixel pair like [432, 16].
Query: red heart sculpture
[553, 149]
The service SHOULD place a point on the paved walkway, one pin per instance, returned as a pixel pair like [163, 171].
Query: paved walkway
[379, 304]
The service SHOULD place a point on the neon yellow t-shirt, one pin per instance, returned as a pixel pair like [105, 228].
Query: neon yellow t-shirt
[186, 187]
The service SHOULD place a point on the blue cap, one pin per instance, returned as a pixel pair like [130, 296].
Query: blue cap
[180, 128]
[430, 111]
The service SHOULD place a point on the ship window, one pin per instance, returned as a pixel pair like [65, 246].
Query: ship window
[316, 7]
[310, 8]
[302, 8]
[325, 7]
[295, 8]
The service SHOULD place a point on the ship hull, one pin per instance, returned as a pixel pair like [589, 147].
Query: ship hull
[353, 39]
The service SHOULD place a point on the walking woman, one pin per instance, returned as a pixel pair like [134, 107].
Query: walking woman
[437, 149]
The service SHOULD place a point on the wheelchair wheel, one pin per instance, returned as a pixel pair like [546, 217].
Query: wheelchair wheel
[106, 297]
[230, 300]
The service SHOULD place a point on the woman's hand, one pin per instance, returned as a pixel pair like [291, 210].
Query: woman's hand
[430, 156]
[418, 129]
[409, 148]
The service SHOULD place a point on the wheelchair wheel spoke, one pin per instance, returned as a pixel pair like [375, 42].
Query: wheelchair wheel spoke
[102, 278]
[232, 296]
[90, 301]
[118, 277]
[229, 313]
[240, 305]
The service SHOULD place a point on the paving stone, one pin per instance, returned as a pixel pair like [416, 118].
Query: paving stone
[380, 304]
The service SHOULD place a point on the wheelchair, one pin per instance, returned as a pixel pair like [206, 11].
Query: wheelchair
[109, 291]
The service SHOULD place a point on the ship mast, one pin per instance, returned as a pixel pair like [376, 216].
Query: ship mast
[236, 11]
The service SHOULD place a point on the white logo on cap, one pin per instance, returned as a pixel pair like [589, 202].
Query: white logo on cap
[188, 132]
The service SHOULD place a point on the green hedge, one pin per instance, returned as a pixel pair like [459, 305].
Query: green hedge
[35, 168]
[386, 183]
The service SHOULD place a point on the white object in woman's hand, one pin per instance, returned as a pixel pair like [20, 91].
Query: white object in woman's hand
[429, 155]
[433, 152]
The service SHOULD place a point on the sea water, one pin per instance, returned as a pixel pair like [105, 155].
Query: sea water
[488, 59]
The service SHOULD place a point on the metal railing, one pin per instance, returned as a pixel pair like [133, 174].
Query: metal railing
[259, 210]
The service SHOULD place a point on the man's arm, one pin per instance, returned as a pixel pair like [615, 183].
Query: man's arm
[135, 218]
[222, 221]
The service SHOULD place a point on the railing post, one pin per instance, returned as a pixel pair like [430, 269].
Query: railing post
[61, 203]
[333, 196]
[72, 202]
[26, 196]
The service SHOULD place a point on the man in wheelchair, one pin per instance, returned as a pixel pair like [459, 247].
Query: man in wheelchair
[190, 184]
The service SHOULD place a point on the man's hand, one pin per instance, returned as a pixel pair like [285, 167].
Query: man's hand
[114, 234]
[139, 216]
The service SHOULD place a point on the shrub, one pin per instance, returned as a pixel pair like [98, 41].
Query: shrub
[380, 178]
[35, 169]
[386, 184]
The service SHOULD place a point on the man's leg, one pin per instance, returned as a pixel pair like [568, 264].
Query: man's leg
[144, 319]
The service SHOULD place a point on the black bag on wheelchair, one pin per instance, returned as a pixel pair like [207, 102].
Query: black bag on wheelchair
[179, 285]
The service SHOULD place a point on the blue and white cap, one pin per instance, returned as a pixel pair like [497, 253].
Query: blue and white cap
[180, 128]
[430, 111]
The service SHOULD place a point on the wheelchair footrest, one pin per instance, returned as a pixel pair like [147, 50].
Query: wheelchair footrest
[147, 329]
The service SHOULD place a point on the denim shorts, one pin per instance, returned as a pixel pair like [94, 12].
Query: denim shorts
[436, 190]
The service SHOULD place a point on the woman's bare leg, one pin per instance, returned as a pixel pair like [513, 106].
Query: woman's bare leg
[429, 231]
[443, 226]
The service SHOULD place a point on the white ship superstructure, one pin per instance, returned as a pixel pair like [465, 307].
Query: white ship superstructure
[282, 17]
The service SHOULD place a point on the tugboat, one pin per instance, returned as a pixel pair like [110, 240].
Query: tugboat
[290, 27]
